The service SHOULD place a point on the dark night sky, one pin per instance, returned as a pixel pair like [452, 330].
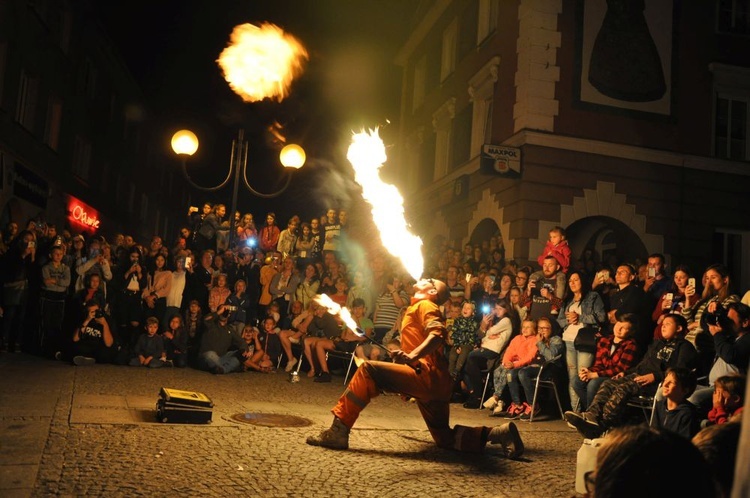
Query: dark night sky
[350, 81]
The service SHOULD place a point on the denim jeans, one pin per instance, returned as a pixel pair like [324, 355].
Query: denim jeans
[228, 361]
[475, 363]
[576, 360]
[527, 378]
[585, 391]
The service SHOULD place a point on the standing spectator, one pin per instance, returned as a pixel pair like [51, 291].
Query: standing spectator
[198, 279]
[581, 308]
[93, 262]
[332, 231]
[210, 225]
[176, 290]
[134, 278]
[269, 234]
[544, 294]
[360, 290]
[16, 269]
[287, 239]
[218, 294]
[195, 220]
[629, 298]
[55, 283]
[284, 285]
[267, 273]
[304, 245]
[158, 285]
[246, 230]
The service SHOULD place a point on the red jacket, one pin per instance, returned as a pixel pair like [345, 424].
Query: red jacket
[561, 253]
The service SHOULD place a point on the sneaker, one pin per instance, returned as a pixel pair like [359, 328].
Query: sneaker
[323, 377]
[584, 424]
[527, 413]
[82, 361]
[58, 356]
[501, 410]
[507, 435]
[290, 365]
[168, 363]
[490, 403]
[515, 411]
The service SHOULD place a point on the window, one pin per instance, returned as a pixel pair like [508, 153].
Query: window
[27, 99]
[730, 128]
[52, 126]
[728, 250]
[461, 137]
[734, 17]
[482, 90]
[81, 158]
[420, 73]
[488, 13]
[467, 36]
[3, 59]
[448, 60]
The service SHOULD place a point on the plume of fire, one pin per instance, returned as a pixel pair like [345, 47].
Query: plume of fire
[335, 308]
[367, 155]
[261, 61]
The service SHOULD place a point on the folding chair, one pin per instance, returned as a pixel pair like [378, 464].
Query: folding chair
[488, 372]
[647, 404]
[546, 383]
[343, 355]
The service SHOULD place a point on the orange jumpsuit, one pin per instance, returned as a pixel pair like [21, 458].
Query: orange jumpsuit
[429, 383]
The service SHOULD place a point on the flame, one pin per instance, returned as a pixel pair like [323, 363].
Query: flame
[261, 61]
[335, 308]
[367, 155]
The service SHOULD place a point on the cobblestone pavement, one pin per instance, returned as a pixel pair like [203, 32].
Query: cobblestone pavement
[73, 431]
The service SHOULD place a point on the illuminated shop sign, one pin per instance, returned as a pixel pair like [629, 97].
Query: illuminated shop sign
[82, 214]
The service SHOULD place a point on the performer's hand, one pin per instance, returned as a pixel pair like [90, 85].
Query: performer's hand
[399, 356]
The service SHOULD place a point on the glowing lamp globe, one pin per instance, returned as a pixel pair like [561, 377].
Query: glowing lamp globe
[184, 142]
[292, 156]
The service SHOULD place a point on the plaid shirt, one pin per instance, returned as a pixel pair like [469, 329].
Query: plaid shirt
[621, 359]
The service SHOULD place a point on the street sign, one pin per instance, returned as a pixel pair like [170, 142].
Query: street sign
[500, 160]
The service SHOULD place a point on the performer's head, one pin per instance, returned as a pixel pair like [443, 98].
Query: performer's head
[432, 289]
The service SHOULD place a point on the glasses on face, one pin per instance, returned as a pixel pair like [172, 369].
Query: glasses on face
[544, 328]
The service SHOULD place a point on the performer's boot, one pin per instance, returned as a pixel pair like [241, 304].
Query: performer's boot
[336, 437]
[507, 435]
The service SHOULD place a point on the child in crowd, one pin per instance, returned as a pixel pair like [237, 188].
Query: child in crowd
[341, 293]
[219, 293]
[269, 337]
[729, 392]
[464, 335]
[273, 311]
[176, 342]
[254, 358]
[520, 352]
[150, 346]
[557, 247]
[674, 412]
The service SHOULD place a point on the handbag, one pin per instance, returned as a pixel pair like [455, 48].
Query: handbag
[586, 339]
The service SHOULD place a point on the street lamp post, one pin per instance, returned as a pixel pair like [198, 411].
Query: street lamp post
[185, 144]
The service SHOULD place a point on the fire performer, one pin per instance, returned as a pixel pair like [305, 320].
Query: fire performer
[419, 370]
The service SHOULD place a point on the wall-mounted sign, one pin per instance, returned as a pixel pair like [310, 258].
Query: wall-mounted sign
[82, 215]
[501, 160]
[28, 186]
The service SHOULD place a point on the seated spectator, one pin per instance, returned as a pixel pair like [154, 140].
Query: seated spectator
[253, 356]
[296, 332]
[728, 400]
[268, 338]
[381, 351]
[308, 286]
[239, 304]
[323, 328]
[497, 329]
[550, 350]
[520, 352]
[176, 342]
[150, 347]
[719, 444]
[194, 325]
[674, 412]
[717, 292]
[608, 407]
[464, 338]
[92, 340]
[614, 354]
[646, 462]
[673, 300]
[732, 345]
[219, 293]
[220, 344]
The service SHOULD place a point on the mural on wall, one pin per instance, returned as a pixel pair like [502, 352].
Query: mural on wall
[626, 53]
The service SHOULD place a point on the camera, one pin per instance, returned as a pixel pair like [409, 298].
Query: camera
[718, 317]
[98, 314]
[230, 308]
